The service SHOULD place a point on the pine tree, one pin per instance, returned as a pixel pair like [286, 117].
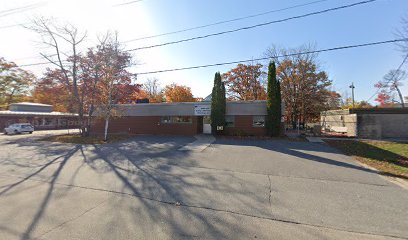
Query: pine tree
[218, 103]
[273, 104]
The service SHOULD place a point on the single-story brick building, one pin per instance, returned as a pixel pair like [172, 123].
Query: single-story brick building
[186, 118]
[41, 116]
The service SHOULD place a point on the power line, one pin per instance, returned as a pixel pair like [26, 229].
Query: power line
[392, 77]
[14, 25]
[258, 25]
[34, 64]
[255, 26]
[280, 56]
[126, 3]
[20, 9]
[227, 21]
[207, 25]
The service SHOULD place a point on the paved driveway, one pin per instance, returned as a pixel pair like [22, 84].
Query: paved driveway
[145, 188]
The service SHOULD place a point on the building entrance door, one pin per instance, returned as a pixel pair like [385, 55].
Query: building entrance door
[206, 125]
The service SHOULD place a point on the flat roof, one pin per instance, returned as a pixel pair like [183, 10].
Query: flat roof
[396, 110]
[188, 108]
[30, 104]
[190, 103]
[19, 113]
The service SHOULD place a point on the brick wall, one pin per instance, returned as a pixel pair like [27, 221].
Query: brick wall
[243, 125]
[152, 125]
[147, 125]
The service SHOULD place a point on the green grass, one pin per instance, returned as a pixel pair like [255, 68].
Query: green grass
[391, 158]
[78, 139]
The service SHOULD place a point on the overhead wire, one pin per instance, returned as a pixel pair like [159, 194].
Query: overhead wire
[258, 59]
[279, 56]
[255, 26]
[392, 77]
[227, 21]
[21, 9]
[127, 3]
[258, 25]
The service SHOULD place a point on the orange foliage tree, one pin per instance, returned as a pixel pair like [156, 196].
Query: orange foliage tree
[178, 93]
[245, 82]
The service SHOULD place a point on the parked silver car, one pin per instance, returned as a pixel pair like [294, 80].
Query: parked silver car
[17, 128]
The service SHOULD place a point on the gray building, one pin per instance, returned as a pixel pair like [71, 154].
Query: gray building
[373, 123]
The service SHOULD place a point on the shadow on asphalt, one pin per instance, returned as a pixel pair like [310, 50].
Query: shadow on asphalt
[295, 149]
[115, 156]
[149, 183]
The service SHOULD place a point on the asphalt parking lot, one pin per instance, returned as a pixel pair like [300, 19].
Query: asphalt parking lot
[146, 188]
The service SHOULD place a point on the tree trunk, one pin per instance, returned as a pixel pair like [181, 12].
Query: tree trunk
[400, 96]
[106, 129]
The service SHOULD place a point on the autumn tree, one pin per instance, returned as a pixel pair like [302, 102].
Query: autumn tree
[49, 89]
[84, 82]
[152, 89]
[64, 40]
[304, 85]
[333, 100]
[178, 93]
[245, 82]
[14, 83]
[348, 103]
[389, 86]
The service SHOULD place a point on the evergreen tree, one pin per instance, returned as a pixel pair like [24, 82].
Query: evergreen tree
[218, 103]
[273, 105]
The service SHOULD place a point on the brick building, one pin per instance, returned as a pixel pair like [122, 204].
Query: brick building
[41, 116]
[186, 118]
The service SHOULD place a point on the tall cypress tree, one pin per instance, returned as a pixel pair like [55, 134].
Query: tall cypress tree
[218, 103]
[273, 104]
[279, 108]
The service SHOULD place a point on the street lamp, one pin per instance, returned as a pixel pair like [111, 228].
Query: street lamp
[352, 92]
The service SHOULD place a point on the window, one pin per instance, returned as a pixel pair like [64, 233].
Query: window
[166, 119]
[182, 119]
[229, 121]
[176, 119]
[258, 121]
[49, 122]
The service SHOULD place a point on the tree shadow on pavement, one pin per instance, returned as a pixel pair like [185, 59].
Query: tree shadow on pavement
[59, 155]
[152, 180]
[299, 150]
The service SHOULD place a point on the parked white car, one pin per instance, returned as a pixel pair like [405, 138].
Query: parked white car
[17, 128]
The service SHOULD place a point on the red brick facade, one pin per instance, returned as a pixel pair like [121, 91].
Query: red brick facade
[152, 125]
[244, 126]
[148, 125]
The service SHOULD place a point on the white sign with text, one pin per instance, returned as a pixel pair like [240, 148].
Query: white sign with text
[202, 110]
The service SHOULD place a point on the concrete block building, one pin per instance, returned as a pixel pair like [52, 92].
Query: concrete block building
[367, 122]
[186, 118]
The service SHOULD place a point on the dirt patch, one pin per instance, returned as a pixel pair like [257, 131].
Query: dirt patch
[78, 139]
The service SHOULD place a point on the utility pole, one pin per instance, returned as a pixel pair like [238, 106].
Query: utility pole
[352, 92]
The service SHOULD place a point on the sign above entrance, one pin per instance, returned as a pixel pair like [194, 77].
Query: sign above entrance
[202, 110]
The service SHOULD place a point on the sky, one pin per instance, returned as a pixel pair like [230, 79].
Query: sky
[372, 22]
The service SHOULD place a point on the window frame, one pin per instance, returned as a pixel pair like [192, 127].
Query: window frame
[174, 119]
[233, 121]
[258, 116]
